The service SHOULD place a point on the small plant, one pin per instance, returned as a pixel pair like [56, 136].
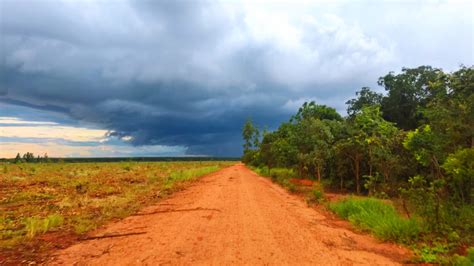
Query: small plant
[432, 253]
[317, 193]
[36, 225]
[83, 224]
[467, 260]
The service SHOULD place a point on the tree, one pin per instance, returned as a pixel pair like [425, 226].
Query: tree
[284, 149]
[352, 147]
[375, 133]
[426, 146]
[314, 144]
[248, 133]
[408, 92]
[18, 158]
[29, 157]
[366, 97]
[459, 167]
[451, 111]
[313, 110]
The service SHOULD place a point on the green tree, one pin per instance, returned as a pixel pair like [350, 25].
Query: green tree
[29, 157]
[408, 92]
[365, 97]
[375, 133]
[313, 110]
[248, 133]
[314, 140]
[353, 147]
[450, 112]
[459, 168]
[18, 158]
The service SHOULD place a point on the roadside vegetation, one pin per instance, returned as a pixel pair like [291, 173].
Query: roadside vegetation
[412, 146]
[73, 198]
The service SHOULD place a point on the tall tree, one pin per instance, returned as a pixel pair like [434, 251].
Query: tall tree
[18, 158]
[313, 110]
[365, 97]
[407, 93]
[248, 133]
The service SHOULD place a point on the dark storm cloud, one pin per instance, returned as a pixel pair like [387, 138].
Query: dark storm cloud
[180, 73]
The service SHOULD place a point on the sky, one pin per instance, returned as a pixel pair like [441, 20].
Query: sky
[122, 78]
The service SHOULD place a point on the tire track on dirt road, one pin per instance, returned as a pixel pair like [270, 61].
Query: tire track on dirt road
[232, 216]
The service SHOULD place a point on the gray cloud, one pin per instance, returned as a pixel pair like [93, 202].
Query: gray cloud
[188, 73]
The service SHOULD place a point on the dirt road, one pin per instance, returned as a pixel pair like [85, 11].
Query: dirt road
[230, 217]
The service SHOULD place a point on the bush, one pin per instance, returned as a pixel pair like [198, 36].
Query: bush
[379, 218]
[317, 193]
[280, 176]
[464, 261]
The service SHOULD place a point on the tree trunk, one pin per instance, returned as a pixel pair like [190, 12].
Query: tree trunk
[356, 169]
[319, 173]
[370, 161]
[357, 166]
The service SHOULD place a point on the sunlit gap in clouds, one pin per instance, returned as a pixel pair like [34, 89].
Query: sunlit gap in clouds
[57, 140]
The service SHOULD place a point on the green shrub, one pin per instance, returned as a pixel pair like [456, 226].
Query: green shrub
[317, 193]
[464, 261]
[285, 182]
[280, 174]
[83, 224]
[379, 218]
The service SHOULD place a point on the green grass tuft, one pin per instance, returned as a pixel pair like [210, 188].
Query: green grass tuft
[379, 218]
[36, 225]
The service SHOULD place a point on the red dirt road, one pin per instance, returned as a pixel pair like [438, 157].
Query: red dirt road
[232, 216]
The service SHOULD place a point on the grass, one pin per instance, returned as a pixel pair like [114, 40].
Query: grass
[35, 225]
[317, 193]
[78, 197]
[188, 174]
[280, 176]
[379, 218]
[369, 214]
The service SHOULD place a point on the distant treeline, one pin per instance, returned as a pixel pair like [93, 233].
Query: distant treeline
[31, 158]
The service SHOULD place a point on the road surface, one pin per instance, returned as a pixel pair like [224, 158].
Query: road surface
[232, 216]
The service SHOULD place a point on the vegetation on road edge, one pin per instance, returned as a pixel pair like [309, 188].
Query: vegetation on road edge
[378, 217]
[414, 144]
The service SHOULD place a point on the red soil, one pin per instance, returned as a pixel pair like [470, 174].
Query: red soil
[232, 216]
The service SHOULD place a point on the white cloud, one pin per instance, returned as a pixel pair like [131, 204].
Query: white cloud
[17, 121]
[42, 131]
[54, 149]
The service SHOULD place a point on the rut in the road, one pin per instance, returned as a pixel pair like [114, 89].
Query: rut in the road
[230, 217]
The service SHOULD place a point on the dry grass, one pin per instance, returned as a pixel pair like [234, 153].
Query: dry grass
[78, 197]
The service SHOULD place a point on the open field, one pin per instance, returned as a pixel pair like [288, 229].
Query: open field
[67, 199]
